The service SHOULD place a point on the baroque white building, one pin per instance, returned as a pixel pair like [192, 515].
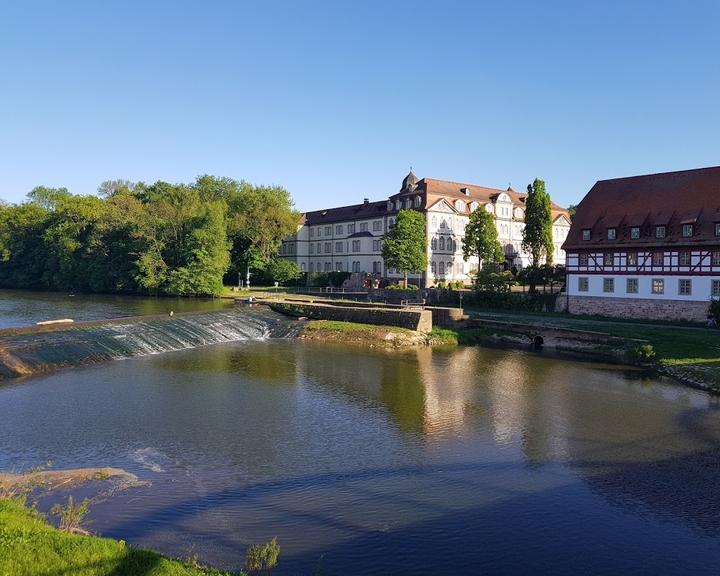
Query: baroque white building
[349, 238]
[647, 247]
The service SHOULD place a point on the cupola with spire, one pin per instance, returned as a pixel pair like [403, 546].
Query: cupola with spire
[409, 183]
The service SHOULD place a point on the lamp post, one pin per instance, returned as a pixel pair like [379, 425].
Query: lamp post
[247, 279]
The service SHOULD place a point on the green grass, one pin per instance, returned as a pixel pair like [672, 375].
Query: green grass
[30, 546]
[340, 326]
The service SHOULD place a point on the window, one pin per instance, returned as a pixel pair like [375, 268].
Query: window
[356, 246]
[338, 229]
[635, 232]
[433, 243]
[716, 288]
[328, 266]
[612, 233]
[417, 201]
[460, 205]
[716, 258]
[363, 227]
[717, 228]
[312, 248]
[687, 230]
[398, 204]
[658, 258]
[658, 286]
[338, 246]
[632, 259]
[433, 267]
[442, 242]
[339, 266]
[391, 222]
[473, 206]
[608, 259]
[312, 232]
[283, 249]
[377, 245]
[632, 286]
[608, 284]
[328, 247]
[356, 266]
[684, 287]
[684, 259]
[319, 231]
[659, 231]
[442, 268]
[351, 228]
[312, 267]
[584, 259]
[319, 249]
[377, 226]
[586, 234]
[328, 230]
[583, 284]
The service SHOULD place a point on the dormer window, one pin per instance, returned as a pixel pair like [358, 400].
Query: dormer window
[586, 234]
[687, 230]
[635, 232]
[473, 206]
[612, 233]
[465, 191]
[417, 201]
[659, 231]
[459, 205]
[398, 204]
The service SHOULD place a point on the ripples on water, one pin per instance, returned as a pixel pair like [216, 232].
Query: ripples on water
[466, 462]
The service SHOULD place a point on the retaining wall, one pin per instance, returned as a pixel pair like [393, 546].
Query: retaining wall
[412, 319]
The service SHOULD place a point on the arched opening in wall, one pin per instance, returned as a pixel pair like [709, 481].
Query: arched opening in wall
[538, 341]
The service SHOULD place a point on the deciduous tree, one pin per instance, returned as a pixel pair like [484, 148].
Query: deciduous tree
[405, 243]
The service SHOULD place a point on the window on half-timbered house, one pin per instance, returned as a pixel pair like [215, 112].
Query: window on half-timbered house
[632, 258]
[684, 259]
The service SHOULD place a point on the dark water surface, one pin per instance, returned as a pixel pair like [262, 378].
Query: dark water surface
[471, 461]
[25, 308]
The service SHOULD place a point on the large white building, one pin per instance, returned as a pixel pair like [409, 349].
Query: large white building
[647, 246]
[349, 238]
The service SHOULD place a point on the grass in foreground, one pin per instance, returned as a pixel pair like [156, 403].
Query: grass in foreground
[30, 546]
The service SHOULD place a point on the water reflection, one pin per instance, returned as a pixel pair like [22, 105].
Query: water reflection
[405, 463]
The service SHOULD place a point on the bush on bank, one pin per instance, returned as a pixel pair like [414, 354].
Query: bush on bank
[519, 302]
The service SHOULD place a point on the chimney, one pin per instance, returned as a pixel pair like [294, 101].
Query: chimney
[366, 200]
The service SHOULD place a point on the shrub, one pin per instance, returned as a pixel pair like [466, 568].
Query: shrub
[644, 352]
[530, 302]
[401, 287]
[262, 557]
[71, 515]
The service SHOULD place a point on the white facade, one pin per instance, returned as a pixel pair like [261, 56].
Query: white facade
[350, 244]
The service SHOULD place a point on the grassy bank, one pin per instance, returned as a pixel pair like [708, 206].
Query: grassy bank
[30, 546]
[686, 351]
[368, 334]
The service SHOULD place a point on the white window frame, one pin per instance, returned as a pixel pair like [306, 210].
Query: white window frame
[632, 286]
[609, 285]
[684, 287]
[657, 285]
[583, 284]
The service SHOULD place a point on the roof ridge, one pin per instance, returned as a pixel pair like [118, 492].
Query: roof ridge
[468, 184]
[659, 174]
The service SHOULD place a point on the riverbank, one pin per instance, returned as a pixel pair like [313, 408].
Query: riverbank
[31, 547]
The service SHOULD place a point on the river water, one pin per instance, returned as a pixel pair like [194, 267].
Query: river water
[465, 461]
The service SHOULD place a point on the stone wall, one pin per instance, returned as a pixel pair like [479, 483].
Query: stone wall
[420, 320]
[639, 308]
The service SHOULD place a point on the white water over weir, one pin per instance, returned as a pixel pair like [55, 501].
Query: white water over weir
[27, 351]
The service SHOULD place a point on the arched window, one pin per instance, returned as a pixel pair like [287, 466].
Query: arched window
[433, 244]
[442, 268]
[442, 243]
[312, 267]
[473, 206]
[433, 267]
[460, 205]
[443, 223]
[448, 268]
[417, 201]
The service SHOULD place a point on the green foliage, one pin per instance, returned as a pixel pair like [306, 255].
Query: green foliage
[714, 310]
[325, 279]
[643, 353]
[262, 557]
[572, 209]
[491, 278]
[481, 238]
[537, 235]
[518, 302]
[404, 245]
[71, 515]
[282, 271]
[175, 239]
[31, 547]
[401, 287]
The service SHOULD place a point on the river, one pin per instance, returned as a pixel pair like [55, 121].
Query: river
[429, 461]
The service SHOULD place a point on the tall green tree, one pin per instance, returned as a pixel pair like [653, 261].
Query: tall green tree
[481, 239]
[404, 245]
[537, 235]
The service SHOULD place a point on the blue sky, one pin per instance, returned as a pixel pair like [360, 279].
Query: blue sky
[335, 100]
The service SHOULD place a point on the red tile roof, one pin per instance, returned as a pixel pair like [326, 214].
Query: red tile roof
[669, 199]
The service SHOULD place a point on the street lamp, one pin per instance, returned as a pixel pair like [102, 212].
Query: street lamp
[247, 279]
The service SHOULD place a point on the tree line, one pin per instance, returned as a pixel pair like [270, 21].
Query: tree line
[137, 238]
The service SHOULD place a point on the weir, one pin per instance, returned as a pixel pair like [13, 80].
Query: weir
[25, 351]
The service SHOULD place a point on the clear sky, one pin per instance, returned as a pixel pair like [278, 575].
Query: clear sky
[335, 100]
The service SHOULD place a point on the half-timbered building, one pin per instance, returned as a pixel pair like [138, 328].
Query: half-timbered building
[647, 246]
